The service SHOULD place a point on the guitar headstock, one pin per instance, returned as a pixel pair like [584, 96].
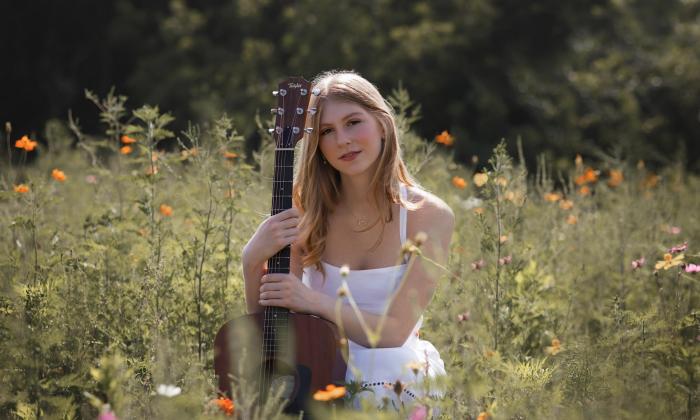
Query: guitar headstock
[293, 96]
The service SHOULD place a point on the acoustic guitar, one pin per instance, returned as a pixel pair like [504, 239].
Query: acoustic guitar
[276, 347]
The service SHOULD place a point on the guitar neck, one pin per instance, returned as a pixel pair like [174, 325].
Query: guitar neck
[281, 201]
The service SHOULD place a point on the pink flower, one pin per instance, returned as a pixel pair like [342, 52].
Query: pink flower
[478, 265]
[505, 260]
[420, 412]
[674, 230]
[678, 248]
[464, 316]
[91, 179]
[106, 413]
[638, 263]
[692, 268]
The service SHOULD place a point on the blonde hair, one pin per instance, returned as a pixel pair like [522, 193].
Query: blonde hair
[317, 188]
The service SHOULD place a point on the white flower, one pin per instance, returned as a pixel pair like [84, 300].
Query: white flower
[472, 202]
[344, 270]
[168, 390]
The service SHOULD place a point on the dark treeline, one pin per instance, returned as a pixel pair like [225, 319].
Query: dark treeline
[617, 76]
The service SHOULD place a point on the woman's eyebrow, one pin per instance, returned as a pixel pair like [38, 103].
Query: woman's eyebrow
[352, 114]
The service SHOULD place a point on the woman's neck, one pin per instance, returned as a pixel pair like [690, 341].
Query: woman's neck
[356, 195]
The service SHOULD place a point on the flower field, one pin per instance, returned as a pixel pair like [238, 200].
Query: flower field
[568, 294]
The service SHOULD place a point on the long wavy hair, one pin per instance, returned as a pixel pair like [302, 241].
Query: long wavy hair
[317, 186]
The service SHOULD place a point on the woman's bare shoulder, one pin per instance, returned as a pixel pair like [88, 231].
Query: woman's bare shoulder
[431, 211]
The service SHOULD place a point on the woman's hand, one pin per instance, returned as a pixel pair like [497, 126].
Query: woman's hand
[273, 234]
[287, 291]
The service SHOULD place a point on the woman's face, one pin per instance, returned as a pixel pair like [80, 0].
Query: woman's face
[349, 137]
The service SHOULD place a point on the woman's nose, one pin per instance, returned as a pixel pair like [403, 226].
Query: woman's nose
[343, 137]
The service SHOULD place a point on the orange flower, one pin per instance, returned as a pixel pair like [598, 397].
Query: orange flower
[152, 170]
[225, 405]
[230, 155]
[484, 416]
[125, 150]
[566, 204]
[572, 220]
[554, 348]
[480, 179]
[589, 175]
[26, 143]
[503, 239]
[650, 181]
[616, 178]
[459, 182]
[445, 138]
[331, 392]
[128, 140]
[584, 191]
[502, 181]
[58, 175]
[21, 188]
[478, 210]
[166, 210]
[552, 197]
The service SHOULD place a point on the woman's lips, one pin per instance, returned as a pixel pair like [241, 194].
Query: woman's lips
[349, 156]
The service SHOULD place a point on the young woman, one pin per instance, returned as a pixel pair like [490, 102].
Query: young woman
[355, 205]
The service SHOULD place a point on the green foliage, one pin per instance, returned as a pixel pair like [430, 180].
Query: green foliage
[115, 281]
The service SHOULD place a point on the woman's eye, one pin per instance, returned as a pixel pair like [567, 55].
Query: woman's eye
[325, 131]
[353, 122]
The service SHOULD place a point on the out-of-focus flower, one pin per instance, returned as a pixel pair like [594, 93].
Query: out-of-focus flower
[464, 316]
[479, 210]
[344, 270]
[475, 159]
[415, 366]
[503, 239]
[128, 140]
[554, 348]
[125, 150]
[225, 405]
[584, 191]
[616, 178]
[678, 248]
[445, 138]
[166, 210]
[26, 143]
[188, 153]
[674, 230]
[552, 197]
[168, 390]
[22, 188]
[650, 181]
[669, 261]
[331, 392]
[502, 181]
[106, 413]
[571, 219]
[566, 204]
[58, 175]
[230, 155]
[419, 412]
[692, 268]
[589, 176]
[459, 182]
[578, 161]
[478, 264]
[489, 353]
[638, 263]
[151, 170]
[640, 164]
[484, 415]
[472, 202]
[91, 179]
[480, 179]
[505, 260]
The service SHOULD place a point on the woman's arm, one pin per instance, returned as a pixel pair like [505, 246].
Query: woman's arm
[409, 302]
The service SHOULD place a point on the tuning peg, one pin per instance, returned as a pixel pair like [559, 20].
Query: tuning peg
[312, 111]
[316, 91]
[283, 92]
[295, 130]
[275, 93]
[303, 92]
[278, 130]
[300, 111]
[279, 111]
[270, 130]
[309, 130]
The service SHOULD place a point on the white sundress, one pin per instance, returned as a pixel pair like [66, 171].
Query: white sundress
[381, 367]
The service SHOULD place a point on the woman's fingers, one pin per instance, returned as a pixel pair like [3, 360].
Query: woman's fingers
[271, 302]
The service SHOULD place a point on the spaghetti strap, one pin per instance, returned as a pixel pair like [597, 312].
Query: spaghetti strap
[402, 214]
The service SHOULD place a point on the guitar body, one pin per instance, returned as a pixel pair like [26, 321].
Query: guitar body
[308, 360]
[273, 348]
